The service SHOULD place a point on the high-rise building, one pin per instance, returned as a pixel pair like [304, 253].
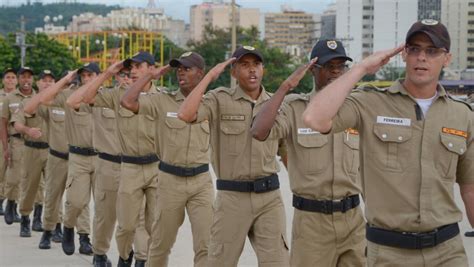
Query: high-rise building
[429, 9]
[294, 32]
[328, 22]
[218, 14]
[458, 16]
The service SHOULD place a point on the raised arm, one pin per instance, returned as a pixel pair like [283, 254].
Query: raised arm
[325, 104]
[47, 96]
[130, 98]
[265, 118]
[188, 109]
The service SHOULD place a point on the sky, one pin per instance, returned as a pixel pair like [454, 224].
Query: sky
[179, 9]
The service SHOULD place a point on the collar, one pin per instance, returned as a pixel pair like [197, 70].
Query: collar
[179, 95]
[239, 93]
[397, 87]
[18, 92]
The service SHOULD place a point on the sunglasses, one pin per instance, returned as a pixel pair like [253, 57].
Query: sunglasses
[430, 52]
[124, 74]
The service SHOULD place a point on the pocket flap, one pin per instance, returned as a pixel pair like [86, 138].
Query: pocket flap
[312, 140]
[454, 143]
[390, 133]
[175, 123]
[108, 113]
[233, 127]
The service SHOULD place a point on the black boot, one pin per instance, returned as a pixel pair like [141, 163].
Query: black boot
[68, 241]
[57, 234]
[16, 216]
[85, 244]
[25, 230]
[45, 242]
[101, 261]
[9, 214]
[139, 263]
[37, 224]
[127, 262]
[469, 234]
[1, 207]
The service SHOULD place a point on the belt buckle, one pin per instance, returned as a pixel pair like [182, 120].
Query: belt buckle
[426, 240]
[188, 172]
[338, 206]
[261, 185]
[327, 207]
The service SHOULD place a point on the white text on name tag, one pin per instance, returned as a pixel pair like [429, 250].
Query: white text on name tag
[394, 121]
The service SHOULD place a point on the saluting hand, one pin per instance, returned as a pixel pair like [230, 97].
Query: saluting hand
[116, 67]
[34, 133]
[374, 62]
[294, 79]
[158, 72]
[219, 68]
[70, 76]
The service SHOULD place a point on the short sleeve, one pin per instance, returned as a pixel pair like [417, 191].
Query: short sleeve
[105, 99]
[208, 108]
[348, 115]
[18, 116]
[282, 126]
[465, 168]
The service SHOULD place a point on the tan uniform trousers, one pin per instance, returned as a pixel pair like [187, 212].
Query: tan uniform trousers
[15, 169]
[34, 165]
[142, 238]
[79, 185]
[175, 194]
[39, 199]
[3, 168]
[260, 216]
[105, 199]
[447, 254]
[137, 183]
[320, 239]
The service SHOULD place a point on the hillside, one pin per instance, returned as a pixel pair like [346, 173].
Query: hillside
[35, 13]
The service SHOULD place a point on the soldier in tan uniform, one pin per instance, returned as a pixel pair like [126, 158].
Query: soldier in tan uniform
[328, 224]
[9, 82]
[35, 153]
[415, 143]
[139, 172]
[13, 142]
[184, 180]
[56, 171]
[82, 156]
[248, 200]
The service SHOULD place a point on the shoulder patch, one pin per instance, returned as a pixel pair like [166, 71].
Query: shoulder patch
[461, 101]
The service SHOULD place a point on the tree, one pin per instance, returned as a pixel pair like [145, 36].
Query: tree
[7, 54]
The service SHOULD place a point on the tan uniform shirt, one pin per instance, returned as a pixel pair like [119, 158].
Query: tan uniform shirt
[2, 96]
[105, 137]
[136, 132]
[320, 166]
[180, 143]
[31, 121]
[236, 155]
[55, 121]
[11, 103]
[78, 122]
[409, 164]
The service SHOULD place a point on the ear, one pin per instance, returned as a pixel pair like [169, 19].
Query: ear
[447, 60]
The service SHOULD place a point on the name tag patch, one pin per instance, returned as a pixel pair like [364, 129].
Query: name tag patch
[233, 117]
[171, 114]
[394, 121]
[454, 132]
[14, 105]
[58, 112]
[307, 131]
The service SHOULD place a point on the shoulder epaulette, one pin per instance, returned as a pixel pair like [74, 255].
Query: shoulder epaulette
[370, 87]
[460, 101]
[168, 91]
[294, 97]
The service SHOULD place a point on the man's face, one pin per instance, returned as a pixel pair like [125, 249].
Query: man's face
[330, 71]
[25, 80]
[248, 71]
[45, 82]
[87, 76]
[123, 77]
[422, 67]
[188, 77]
[138, 69]
[9, 81]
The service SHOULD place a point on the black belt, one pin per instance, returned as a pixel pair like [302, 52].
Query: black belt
[84, 151]
[326, 206]
[265, 184]
[58, 154]
[109, 157]
[39, 145]
[183, 172]
[140, 160]
[17, 135]
[409, 240]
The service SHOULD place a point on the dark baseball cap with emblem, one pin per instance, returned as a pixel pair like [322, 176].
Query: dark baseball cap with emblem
[246, 50]
[328, 49]
[188, 59]
[435, 30]
[25, 69]
[7, 70]
[45, 73]
[90, 67]
[139, 58]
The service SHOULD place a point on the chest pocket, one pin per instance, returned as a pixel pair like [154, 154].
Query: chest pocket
[81, 118]
[108, 116]
[57, 115]
[232, 136]
[315, 151]
[351, 160]
[200, 136]
[176, 131]
[455, 147]
[390, 151]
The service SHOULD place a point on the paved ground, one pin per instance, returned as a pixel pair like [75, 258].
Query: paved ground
[24, 252]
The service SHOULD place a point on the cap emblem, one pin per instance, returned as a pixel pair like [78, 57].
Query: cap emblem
[247, 47]
[187, 54]
[331, 44]
[429, 22]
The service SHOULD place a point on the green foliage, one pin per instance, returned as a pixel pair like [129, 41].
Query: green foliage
[46, 53]
[35, 13]
[215, 48]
